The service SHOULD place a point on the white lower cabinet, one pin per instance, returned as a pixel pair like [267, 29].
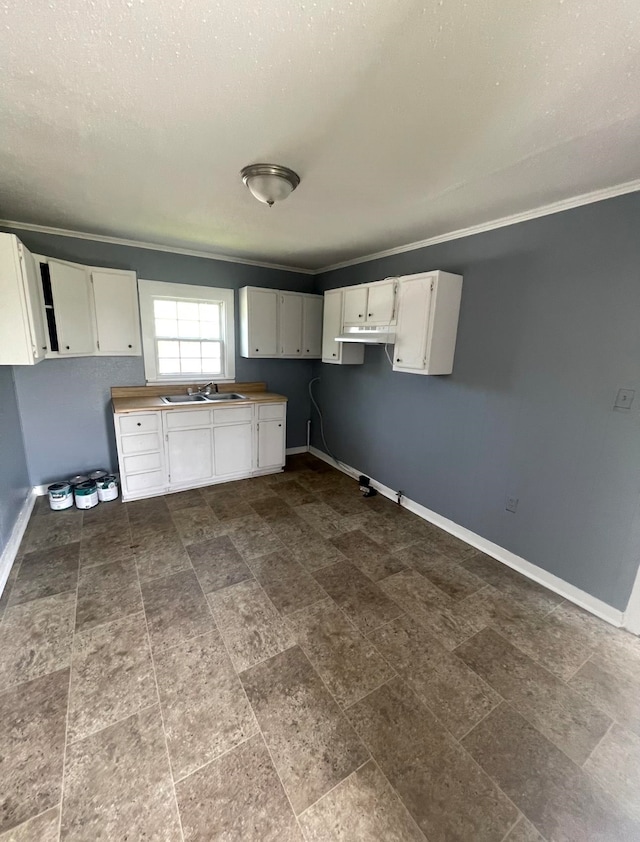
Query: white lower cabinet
[189, 456]
[172, 450]
[233, 453]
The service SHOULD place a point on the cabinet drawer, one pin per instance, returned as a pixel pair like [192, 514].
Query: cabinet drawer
[144, 462]
[269, 411]
[183, 419]
[232, 415]
[140, 444]
[145, 482]
[139, 423]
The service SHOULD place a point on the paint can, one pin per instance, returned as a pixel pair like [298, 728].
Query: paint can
[99, 473]
[107, 488]
[73, 481]
[60, 496]
[86, 495]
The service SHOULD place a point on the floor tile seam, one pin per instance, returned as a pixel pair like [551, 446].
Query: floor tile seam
[82, 632]
[164, 575]
[217, 757]
[36, 598]
[89, 734]
[334, 787]
[32, 818]
[596, 746]
[68, 716]
[400, 799]
[517, 703]
[162, 723]
[259, 727]
[207, 594]
[578, 668]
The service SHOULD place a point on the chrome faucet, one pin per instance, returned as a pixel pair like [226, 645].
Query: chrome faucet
[203, 390]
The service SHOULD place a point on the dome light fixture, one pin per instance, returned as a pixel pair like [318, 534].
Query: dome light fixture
[269, 183]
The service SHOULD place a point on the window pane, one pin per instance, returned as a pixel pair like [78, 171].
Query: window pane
[188, 310]
[168, 366]
[210, 349]
[166, 327]
[190, 366]
[188, 329]
[209, 330]
[209, 312]
[164, 309]
[167, 348]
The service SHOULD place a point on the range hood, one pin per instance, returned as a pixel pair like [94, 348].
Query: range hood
[368, 335]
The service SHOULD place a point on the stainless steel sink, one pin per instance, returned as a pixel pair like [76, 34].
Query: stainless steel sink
[214, 398]
[183, 399]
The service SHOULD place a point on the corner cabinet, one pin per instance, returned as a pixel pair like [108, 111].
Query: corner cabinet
[279, 324]
[173, 450]
[89, 311]
[22, 329]
[428, 309]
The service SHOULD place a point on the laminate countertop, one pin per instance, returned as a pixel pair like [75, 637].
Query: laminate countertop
[122, 405]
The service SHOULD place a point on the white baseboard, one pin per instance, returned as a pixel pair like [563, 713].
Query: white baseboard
[291, 451]
[39, 490]
[531, 571]
[10, 552]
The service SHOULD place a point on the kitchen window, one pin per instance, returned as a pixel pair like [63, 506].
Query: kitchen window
[187, 332]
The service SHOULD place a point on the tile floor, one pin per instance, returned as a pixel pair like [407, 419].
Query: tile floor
[281, 659]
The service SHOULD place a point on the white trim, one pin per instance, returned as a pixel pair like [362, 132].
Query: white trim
[148, 290]
[526, 568]
[491, 225]
[142, 244]
[292, 451]
[502, 222]
[8, 556]
[632, 614]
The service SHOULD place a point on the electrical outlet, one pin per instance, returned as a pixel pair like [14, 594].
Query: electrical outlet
[511, 504]
[624, 398]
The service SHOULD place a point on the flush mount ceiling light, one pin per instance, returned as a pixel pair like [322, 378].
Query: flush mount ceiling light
[270, 183]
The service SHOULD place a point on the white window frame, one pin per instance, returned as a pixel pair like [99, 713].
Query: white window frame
[148, 290]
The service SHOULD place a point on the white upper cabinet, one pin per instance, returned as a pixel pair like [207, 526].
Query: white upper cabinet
[290, 324]
[381, 303]
[312, 326]
[71, 291]
[337, 353]
[115, 296]
[258, 322]
[275, 323]
[22, 332]
[355, 305]
[428, 309]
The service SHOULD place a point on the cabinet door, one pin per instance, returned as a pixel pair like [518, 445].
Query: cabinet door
[331, 326]
[290, 324]
[312, 327]
[380, 304]
[414, 303]
[232, 449]
[262, 305]
[72, 308]
[355, 305]
[190, 455]
[115, 297]
[271, 444]
[22, 336]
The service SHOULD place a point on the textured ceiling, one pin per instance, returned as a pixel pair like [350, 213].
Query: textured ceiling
[405, 119]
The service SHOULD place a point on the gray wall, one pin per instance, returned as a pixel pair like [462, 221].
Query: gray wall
[549, 330]
[14, 478]
[64, 404]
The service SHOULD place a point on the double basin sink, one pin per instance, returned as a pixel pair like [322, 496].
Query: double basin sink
[200, 398]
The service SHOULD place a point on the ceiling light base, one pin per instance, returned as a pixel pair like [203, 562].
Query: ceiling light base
[269, 183]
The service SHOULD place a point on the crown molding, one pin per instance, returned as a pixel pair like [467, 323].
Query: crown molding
[141, 244]
[503, 222]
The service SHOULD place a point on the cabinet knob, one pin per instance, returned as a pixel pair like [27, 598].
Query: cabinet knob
[297, 350]
[398, 360]
[67, 347]
[257, 349]
[307, 351]
[139, 424]
[369, 315]
[359, 315]
[130, 346]
[334, 354]
[279, 425]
